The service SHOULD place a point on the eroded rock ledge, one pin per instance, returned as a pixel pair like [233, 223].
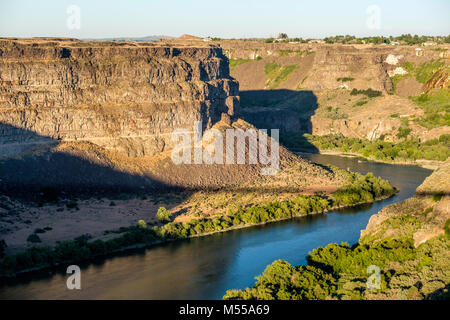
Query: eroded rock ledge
[122, 96]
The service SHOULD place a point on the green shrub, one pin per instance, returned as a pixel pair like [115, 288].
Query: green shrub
[361, 103]
[343, 259]
[370, 93]
[326, 267]
[163, 215]
[34, 238]
[72, 205]
[362, 189]
[345, 79]
[403, 132]
[437, 197]
[142, 224]
[282, 281]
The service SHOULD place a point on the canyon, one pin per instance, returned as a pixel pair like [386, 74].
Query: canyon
[84, 124]
[85, 142]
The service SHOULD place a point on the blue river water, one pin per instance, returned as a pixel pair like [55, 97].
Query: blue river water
[204, 268]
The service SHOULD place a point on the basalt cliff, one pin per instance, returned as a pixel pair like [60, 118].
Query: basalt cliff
[360, 90]
[122, 96]
[78, 114]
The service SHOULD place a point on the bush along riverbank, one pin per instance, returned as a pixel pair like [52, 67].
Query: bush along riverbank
[403, 254]
[391, 268]
[333, 272]
[359, 189]
[408, 151]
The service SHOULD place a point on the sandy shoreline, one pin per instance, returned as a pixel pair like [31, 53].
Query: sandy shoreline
[92, 217]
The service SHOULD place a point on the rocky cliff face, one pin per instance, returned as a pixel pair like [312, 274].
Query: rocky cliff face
[330, 73]
[123, 96]
[89, 116]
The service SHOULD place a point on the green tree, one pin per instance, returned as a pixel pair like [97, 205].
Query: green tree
[163, 215]
[142, 224]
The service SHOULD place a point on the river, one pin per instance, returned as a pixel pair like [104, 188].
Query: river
[204, 268]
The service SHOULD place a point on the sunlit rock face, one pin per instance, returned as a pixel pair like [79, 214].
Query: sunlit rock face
[126, 97]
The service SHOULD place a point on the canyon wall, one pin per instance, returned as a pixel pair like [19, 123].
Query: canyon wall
[128, 97]
[99, 116]
[307, 87]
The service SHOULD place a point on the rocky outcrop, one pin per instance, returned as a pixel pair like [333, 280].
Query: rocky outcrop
[122, 96]
[424, 216]
[440, 80]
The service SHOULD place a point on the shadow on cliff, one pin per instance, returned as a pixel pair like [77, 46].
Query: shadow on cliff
[30, 170]
[289, 111]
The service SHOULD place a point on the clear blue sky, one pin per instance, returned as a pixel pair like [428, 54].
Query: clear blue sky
[227, 19]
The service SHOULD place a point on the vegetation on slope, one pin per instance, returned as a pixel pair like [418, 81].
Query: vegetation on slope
[235, 62]
[404, 39]
[426, 70]
[276, 74]
[407, 150]
[422, 73]
[370, 93]
[436, 106]
[407, 245]
[341, 272]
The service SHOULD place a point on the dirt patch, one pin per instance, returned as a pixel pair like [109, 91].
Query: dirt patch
[92, 217]
[409, 87]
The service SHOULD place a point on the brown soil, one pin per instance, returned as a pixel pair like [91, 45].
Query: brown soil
[409, 87]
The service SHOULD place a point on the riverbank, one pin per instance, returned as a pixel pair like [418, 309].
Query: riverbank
[206, 267]
[423, 163]
[362, 189]
[143, 245]
[428, 154]
[407, 242]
